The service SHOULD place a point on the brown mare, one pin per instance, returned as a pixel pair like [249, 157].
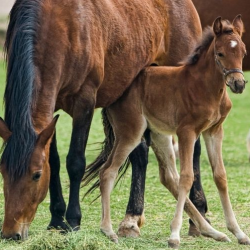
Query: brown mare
[188, 100]
[75, 56]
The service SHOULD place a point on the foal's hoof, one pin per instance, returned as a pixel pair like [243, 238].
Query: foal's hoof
[224, 238]
[173, 244]
[112, 236]
[193, 231]
[244, 241]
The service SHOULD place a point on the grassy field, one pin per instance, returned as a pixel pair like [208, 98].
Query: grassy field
[159, 204]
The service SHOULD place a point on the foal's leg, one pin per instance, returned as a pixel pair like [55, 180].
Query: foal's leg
[197, 195]
[162, 146]
[134, 219]
[82, 116]
[213, 140]
[57, 203]
[128, 133]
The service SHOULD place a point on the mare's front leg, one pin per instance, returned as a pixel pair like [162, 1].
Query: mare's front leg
[57, 203]
[134, 218]
[82, 115]
[197, 195]
[213, 140]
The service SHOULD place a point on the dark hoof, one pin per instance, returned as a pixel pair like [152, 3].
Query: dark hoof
[73, 225]
[62, 226]
[59, 225]
[173, 244]
[193, 231]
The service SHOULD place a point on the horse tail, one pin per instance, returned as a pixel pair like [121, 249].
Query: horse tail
[93, 170]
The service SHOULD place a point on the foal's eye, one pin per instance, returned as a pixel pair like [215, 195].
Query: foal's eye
[36, 176]
[220, 54]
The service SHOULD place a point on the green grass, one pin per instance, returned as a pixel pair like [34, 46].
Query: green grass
[159, 204]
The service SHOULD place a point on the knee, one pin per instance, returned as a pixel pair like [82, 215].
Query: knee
[220, 179]
[186, 181]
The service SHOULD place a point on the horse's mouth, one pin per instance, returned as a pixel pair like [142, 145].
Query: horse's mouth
[236, 88]
[21, 234]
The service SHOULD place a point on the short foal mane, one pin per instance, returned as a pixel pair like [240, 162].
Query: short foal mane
[207, 38]
[18, 96]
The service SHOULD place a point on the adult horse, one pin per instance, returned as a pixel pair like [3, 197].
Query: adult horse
[207, 10]
[187, 100]
[74, 55]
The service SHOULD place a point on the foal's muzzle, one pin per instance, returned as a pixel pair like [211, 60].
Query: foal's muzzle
[236, 85]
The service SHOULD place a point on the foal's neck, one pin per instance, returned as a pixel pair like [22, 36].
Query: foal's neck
[210, 71]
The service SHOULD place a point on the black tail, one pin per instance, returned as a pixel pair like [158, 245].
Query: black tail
[93, 170]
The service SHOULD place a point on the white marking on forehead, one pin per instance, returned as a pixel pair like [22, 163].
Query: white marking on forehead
[233, 43]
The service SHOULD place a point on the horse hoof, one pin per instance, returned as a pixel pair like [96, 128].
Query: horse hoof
[224, 239]
[127, 229]
[58, 225]
[193, 231]
[114, 238]
[244, 241]
[173, 244]
[110, 234]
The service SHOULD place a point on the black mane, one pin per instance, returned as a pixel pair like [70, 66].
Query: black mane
[207, 38]
[18, 96]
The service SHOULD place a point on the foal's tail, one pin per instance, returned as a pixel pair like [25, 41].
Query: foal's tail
[93, 170]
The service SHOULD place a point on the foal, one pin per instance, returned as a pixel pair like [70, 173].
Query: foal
[186, 100]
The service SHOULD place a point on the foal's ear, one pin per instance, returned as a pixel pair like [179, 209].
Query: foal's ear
[47, 133]
[238, 25]
[217, 26]
[4, 130]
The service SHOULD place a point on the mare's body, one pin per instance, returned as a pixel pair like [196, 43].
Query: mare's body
[76, 56]
[187, 100]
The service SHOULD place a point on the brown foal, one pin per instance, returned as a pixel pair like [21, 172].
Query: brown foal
[187, 101]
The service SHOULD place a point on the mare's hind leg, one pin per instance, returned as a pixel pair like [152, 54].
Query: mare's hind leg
[134, 218]
[162, 146]
[57, 203]
[197, 195]
[128, 133]
[213, 140]
[82, 115]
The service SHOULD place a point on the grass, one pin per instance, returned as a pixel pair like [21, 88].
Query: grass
[159, 204]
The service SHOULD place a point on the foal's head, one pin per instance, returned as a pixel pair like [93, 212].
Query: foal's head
[229, 51]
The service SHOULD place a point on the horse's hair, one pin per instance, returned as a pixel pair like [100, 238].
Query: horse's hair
[18, 96]
[207, 38]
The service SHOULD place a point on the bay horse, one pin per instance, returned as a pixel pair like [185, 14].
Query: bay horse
[188, 100]
[207, 10]
[76, 56]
